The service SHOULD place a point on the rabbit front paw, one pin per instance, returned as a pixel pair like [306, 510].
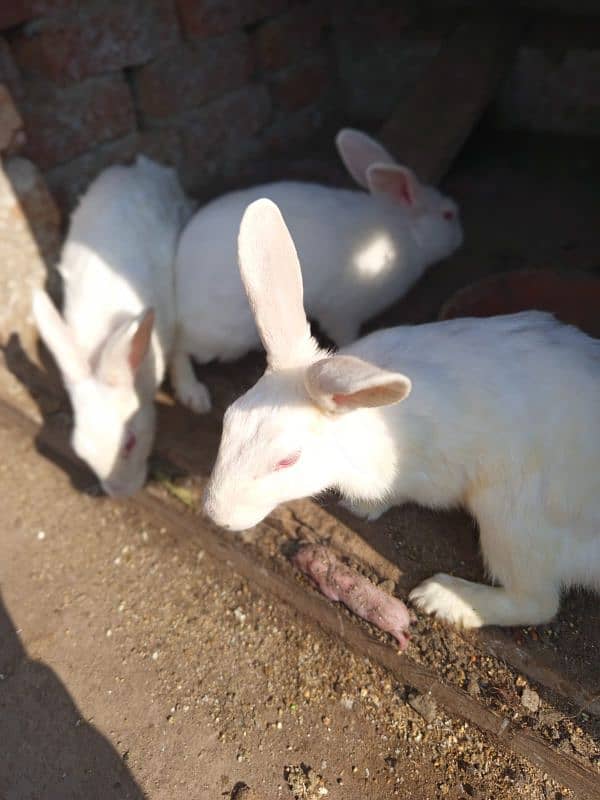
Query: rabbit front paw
[191, 392]
[448, 599]
[368, 511]
[195, 396]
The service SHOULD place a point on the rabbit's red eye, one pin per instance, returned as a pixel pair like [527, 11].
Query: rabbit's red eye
[448, 214]
[287, 462]
[130, 443]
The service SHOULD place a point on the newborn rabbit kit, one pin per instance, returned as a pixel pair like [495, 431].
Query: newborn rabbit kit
[497, 416]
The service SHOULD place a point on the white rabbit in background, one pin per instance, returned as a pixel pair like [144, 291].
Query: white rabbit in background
[360, 251]
[119, 315]
[498, 415]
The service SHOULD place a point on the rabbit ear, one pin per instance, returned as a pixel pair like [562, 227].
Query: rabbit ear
[125, 349]
[344, 383]
[396, 182]
[59, 339]
[358, 151]
[272, 278]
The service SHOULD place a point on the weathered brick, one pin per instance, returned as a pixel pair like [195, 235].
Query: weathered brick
[211, 132]
[61, 124]
[545, 93]
[301, 85]
[203, 18]
[68, 181]
[192, 74]
[376, 73]
[13, 12]
[29, 245]
[378, 19]
[290, 128]
[70, 46]
[161, 144]
[280, 41]
[9, 74]
[12, 136]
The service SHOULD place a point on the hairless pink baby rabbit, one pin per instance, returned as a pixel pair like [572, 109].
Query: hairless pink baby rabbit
[341, 583]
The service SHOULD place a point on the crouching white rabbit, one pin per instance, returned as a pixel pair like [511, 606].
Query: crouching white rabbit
[119, 315]
[360, 251]
[497, 415]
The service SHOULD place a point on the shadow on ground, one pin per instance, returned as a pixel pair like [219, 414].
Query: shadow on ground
[48, 750]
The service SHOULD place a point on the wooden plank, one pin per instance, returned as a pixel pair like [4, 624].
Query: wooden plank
[278, 580]
[427, 130]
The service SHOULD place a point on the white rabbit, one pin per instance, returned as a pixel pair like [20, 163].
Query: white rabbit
[499, 416]
[359, 253]
[119, 315]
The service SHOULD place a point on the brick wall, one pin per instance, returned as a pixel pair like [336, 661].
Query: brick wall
[207, 85]
[215, 86]
[553, 86]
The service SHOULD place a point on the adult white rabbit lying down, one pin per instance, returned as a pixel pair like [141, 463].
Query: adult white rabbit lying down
[119, 315]
[360, 251]
[497, 415]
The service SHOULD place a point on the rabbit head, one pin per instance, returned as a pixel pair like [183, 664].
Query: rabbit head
[286, 437]
[114, 417]
[434, 218]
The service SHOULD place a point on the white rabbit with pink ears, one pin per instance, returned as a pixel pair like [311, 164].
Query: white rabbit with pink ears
[360, 251]
[498, 415]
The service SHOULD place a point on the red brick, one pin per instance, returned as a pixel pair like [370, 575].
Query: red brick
[301, 85]
[68, 181]
[203, 18]
[379, 20]
[291, 128]
[161, 144]
[192, 74]
[68, 47]
[280, 41]
[13, 12]
[60, 124]
[220, 126]
[12, 136]
[29, 244]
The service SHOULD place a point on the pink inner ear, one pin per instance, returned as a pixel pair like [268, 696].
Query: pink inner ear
[406, 194]
[141, 340]
[343, 399]
[397, 182]
[287, 462]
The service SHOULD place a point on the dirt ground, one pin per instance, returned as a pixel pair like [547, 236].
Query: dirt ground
[133, 667]
[133, 664]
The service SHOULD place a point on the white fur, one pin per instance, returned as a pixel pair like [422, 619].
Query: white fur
[117, 266]
[359, 253]
[501, 419]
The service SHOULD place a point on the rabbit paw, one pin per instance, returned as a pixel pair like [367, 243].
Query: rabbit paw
[368, 511]
[194, 395]
[448, 599]
[191, 392]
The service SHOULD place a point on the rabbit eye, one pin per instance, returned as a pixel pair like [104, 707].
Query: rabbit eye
[448, 214]
[130, 443]
[287, 462]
